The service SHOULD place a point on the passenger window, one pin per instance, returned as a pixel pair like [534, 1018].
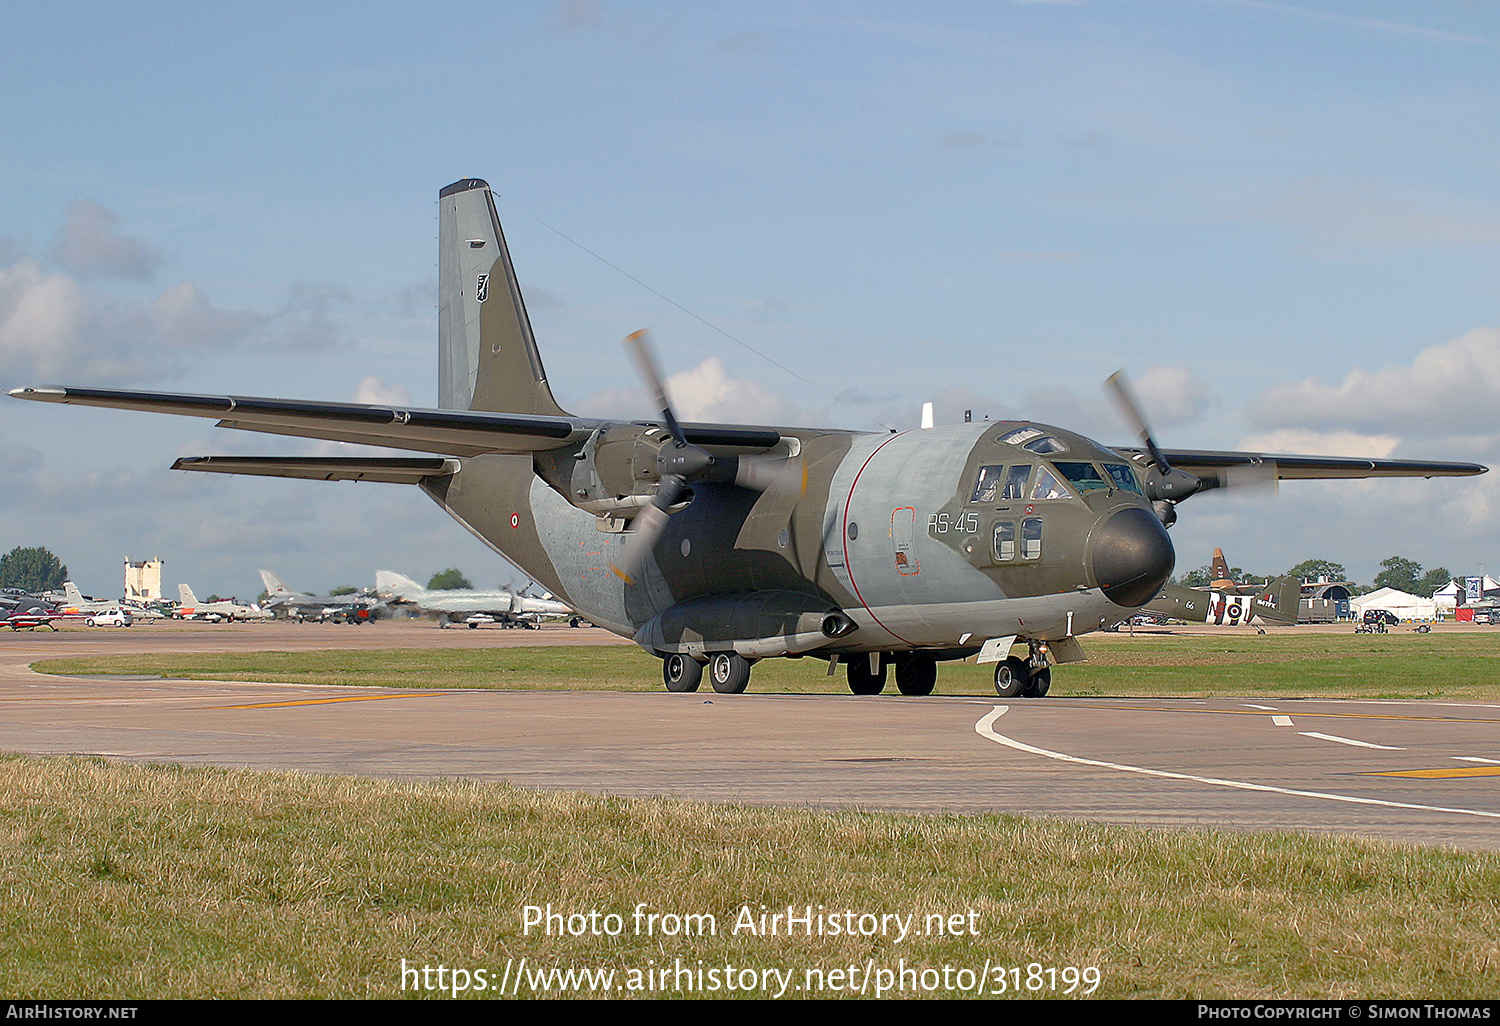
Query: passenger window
[1123, 477]
[1031, 538]
[1005, 542]
[988, 484]
[1084, 476]
[1015, 482]
[1047, 486]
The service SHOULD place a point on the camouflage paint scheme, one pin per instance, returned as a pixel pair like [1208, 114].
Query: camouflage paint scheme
[863, 548]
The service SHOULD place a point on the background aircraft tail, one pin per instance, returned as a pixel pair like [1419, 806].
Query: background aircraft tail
[185, 595]
[74, 596]
[274, 587]
[487, 355]
[388, 582]
[1279, 601]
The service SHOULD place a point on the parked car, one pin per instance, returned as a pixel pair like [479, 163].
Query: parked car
[1381, 616]
[112, 617]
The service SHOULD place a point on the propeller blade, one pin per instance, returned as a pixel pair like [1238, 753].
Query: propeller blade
[647, 527]
[1164, 483]
[639, 344]
[1130, 408]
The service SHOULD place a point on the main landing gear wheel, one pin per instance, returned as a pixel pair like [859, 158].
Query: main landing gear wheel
[1013, 677]
[681, 673]
[729, 672]
[861, 680]
[1041, 681]
[916, 675]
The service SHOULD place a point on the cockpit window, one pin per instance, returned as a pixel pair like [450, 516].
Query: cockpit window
[1123, 477]
[1084, 476]
[988, 484]
[1020, 435]
[1015, 482]
[1045, 445]
[1047, 486]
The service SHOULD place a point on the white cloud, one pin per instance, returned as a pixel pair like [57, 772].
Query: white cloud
[707, 393]
[375, 392]
[1452, 388]
[185, 317]
[88, 245]
[52, 327]
[1304, 442]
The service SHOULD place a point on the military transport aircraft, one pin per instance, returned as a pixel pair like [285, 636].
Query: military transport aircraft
[720, 545]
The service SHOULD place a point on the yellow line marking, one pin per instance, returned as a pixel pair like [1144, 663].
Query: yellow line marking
[330, 701]
[1441, 774]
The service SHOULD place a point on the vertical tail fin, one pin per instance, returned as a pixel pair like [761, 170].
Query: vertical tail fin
[185, 595]
[388, 582]
[274, 587]
[487, 355]
[74, 596]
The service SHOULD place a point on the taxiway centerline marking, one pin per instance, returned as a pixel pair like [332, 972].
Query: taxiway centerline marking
[1348, 741]
[331, 701]
[1441, 774]
[986, 728]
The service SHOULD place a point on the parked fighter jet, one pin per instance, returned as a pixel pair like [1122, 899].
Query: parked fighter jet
[721, 545]
[223, 609]
[355, 607]
[467, 605]
[22, 612]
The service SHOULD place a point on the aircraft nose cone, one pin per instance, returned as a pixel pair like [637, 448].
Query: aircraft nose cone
[1132, 557]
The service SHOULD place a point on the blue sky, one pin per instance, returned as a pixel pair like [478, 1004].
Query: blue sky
[1279, 218]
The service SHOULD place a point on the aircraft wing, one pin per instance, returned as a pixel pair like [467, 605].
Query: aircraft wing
[393, 470]
[450, 432]
[1209, 464]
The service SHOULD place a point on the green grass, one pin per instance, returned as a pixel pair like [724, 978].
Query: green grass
[1283, 665]
[126, 881]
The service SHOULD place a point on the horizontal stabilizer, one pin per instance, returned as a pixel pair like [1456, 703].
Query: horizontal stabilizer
[391, 470]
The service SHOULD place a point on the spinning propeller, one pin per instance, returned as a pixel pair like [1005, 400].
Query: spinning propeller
[682, 464]
[1167, 485]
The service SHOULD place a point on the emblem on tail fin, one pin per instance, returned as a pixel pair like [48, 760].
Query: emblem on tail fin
[482, 288]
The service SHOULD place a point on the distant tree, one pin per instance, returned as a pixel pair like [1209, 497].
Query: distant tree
[1434, 581]
[1312, 569]
[1198, 578]
[215, 597]
[344, 589]
[1399, 573]
[31, 570]
[449, 580]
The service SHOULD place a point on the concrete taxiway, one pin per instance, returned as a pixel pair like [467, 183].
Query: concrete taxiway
[1409, 771]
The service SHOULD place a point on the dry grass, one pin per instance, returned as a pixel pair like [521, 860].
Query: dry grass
[148, 881]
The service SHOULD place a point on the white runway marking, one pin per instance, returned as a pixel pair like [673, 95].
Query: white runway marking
[1348, 741]
[1475, 758]
[1265, 708]
[1282, 721]
[986, 728]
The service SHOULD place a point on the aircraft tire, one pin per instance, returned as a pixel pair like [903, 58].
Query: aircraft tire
[1012, 677]
[681, 673]
[1041, 682]
[729, 672]
[916, 675]
[861, 680]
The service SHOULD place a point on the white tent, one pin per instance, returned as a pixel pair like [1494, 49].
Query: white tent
[1447, 598]
[1405, 606]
